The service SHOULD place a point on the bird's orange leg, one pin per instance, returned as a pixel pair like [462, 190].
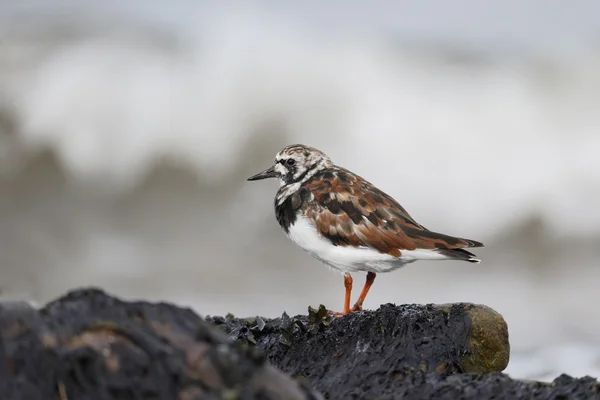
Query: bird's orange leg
[348, 286]
[363, 294]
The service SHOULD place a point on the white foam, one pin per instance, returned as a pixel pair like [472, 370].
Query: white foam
[545, 364]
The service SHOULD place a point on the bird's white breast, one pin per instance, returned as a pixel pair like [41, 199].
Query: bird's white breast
[349, 258]
[344, 258]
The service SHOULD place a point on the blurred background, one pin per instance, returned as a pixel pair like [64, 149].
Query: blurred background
[127, 130]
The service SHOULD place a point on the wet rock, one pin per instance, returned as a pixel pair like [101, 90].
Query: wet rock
[411, 352]
[89, 345]
[447, 338]
[410, 384]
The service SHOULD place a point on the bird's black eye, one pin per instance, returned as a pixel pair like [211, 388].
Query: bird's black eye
[290, 161]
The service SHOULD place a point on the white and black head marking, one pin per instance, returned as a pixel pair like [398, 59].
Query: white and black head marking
[295, 164]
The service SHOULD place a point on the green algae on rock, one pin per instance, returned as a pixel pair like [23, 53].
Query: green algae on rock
[490, 347]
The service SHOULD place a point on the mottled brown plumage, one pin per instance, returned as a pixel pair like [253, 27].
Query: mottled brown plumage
[350, 211]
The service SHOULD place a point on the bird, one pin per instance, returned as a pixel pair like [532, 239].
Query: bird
[348, 223]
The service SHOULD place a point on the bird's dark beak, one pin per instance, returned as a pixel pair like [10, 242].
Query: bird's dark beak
[267, 173]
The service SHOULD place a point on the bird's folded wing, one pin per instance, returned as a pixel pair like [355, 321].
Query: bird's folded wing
[350, 211]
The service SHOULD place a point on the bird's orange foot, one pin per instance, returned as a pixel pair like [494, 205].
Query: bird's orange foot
[357, 307]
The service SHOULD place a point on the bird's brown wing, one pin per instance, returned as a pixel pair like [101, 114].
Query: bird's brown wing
[348, 210]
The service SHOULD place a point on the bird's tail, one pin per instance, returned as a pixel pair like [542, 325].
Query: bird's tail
[460, 254]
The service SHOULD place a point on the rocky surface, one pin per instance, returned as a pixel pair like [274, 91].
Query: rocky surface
[410, 384]
[446, 338]
[410, 352]
[88, 345]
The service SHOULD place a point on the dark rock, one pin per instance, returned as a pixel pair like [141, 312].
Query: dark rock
[410, 352]
[410, 384]
[446, 338]
[88, 345]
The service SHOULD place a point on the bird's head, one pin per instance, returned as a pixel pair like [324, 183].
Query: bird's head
[295, 163]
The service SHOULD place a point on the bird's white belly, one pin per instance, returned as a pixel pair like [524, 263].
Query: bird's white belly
[344, 258]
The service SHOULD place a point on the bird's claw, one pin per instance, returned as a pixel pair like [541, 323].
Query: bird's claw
[357, 307]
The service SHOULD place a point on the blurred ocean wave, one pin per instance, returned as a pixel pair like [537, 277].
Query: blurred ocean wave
[527, 126]
[125, 142]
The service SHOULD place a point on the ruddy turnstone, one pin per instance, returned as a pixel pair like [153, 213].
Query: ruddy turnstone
[348, 223]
